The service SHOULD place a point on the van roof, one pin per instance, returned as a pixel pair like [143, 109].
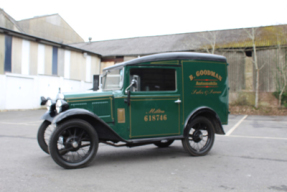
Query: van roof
[171, 56]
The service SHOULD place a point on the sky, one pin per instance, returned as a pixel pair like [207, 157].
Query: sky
[116, 19]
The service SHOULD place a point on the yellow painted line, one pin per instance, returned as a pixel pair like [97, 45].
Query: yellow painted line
[236, 125]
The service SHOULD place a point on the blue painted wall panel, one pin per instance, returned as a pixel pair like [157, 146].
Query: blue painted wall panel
[8, 54]
[55, 61]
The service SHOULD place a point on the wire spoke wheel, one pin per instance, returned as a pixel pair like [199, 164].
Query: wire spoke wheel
[200, 137]
[43, 136]
[73, 144]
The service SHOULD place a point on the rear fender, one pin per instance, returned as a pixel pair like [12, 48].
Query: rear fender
[208, 113]
[104, 131]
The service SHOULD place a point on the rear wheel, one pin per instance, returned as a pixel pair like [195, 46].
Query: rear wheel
[199, 137]
[74, 144]
[164, 143]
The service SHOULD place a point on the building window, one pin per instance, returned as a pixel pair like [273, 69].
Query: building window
[8, 54]
[248, 53]
[55, 61]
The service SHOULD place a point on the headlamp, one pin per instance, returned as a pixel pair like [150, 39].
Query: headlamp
[59, 104]
[48, 104]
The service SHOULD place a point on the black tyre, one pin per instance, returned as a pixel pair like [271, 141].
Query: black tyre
[164, 143]
[74, 144]
[199, 137]
[43, 136]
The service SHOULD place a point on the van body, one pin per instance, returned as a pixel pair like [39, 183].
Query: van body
[149, 100]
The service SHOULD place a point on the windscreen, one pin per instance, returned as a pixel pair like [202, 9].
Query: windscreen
[113, 79]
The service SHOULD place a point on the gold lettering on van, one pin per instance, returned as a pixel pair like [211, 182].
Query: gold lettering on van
[206, 83]
[191, 77]
[155, 115]
[206, 73]
[206, 92]
[156, 111]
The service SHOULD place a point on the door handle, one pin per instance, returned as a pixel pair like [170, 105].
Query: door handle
[178, 101]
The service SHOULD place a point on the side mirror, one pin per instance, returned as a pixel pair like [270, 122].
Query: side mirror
[127, 91]
[133, 83]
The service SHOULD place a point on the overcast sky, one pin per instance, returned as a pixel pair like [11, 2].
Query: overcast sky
[115, 19]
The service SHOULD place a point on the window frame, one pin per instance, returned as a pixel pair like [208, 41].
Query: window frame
[104, 82]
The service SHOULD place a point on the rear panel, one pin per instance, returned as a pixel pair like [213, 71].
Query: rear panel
[205, 83]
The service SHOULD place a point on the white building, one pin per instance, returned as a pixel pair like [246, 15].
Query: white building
[31, 67]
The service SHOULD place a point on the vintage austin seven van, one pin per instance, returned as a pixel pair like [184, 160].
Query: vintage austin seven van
[149, 100]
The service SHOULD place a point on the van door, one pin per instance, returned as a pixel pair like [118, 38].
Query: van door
[155, 102]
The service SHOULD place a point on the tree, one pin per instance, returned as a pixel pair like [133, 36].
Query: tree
[252, 35]
[210, 37]
[205, 40]
[281, 69]
[282, 79]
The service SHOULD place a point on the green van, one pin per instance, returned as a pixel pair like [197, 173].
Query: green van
[154, 99]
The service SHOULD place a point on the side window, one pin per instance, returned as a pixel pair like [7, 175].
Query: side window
[154, 79]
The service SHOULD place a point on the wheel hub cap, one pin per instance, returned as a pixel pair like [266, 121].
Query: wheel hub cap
[197, 136]
[75, 144]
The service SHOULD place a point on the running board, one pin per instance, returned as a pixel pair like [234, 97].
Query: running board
[139, 142]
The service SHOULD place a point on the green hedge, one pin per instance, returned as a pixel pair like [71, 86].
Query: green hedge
[284, 98]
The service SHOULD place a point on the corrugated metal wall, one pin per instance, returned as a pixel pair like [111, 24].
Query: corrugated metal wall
[267, 59]
[236, 68]
[270, 59]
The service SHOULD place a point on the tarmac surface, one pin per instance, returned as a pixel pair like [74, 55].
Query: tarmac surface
[252, 156]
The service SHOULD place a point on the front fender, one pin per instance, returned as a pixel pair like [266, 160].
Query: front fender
[105, 132]
[48, 116]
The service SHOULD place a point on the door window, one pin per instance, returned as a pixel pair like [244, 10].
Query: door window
[154, 79]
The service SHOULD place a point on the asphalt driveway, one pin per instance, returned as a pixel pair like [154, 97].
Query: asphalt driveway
[252, 156]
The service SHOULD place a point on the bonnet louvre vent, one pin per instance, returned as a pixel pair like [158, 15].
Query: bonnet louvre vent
[102, 108]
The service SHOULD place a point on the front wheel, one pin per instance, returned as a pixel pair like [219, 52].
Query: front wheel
[74, 144]
[199, 137]
[43, 136]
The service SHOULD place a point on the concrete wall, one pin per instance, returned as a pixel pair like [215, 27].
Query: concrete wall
[61, 62]
[33, 58]
[48, 59]
[78, 67]
[24, 92]
[16, 55]
[95, 66]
